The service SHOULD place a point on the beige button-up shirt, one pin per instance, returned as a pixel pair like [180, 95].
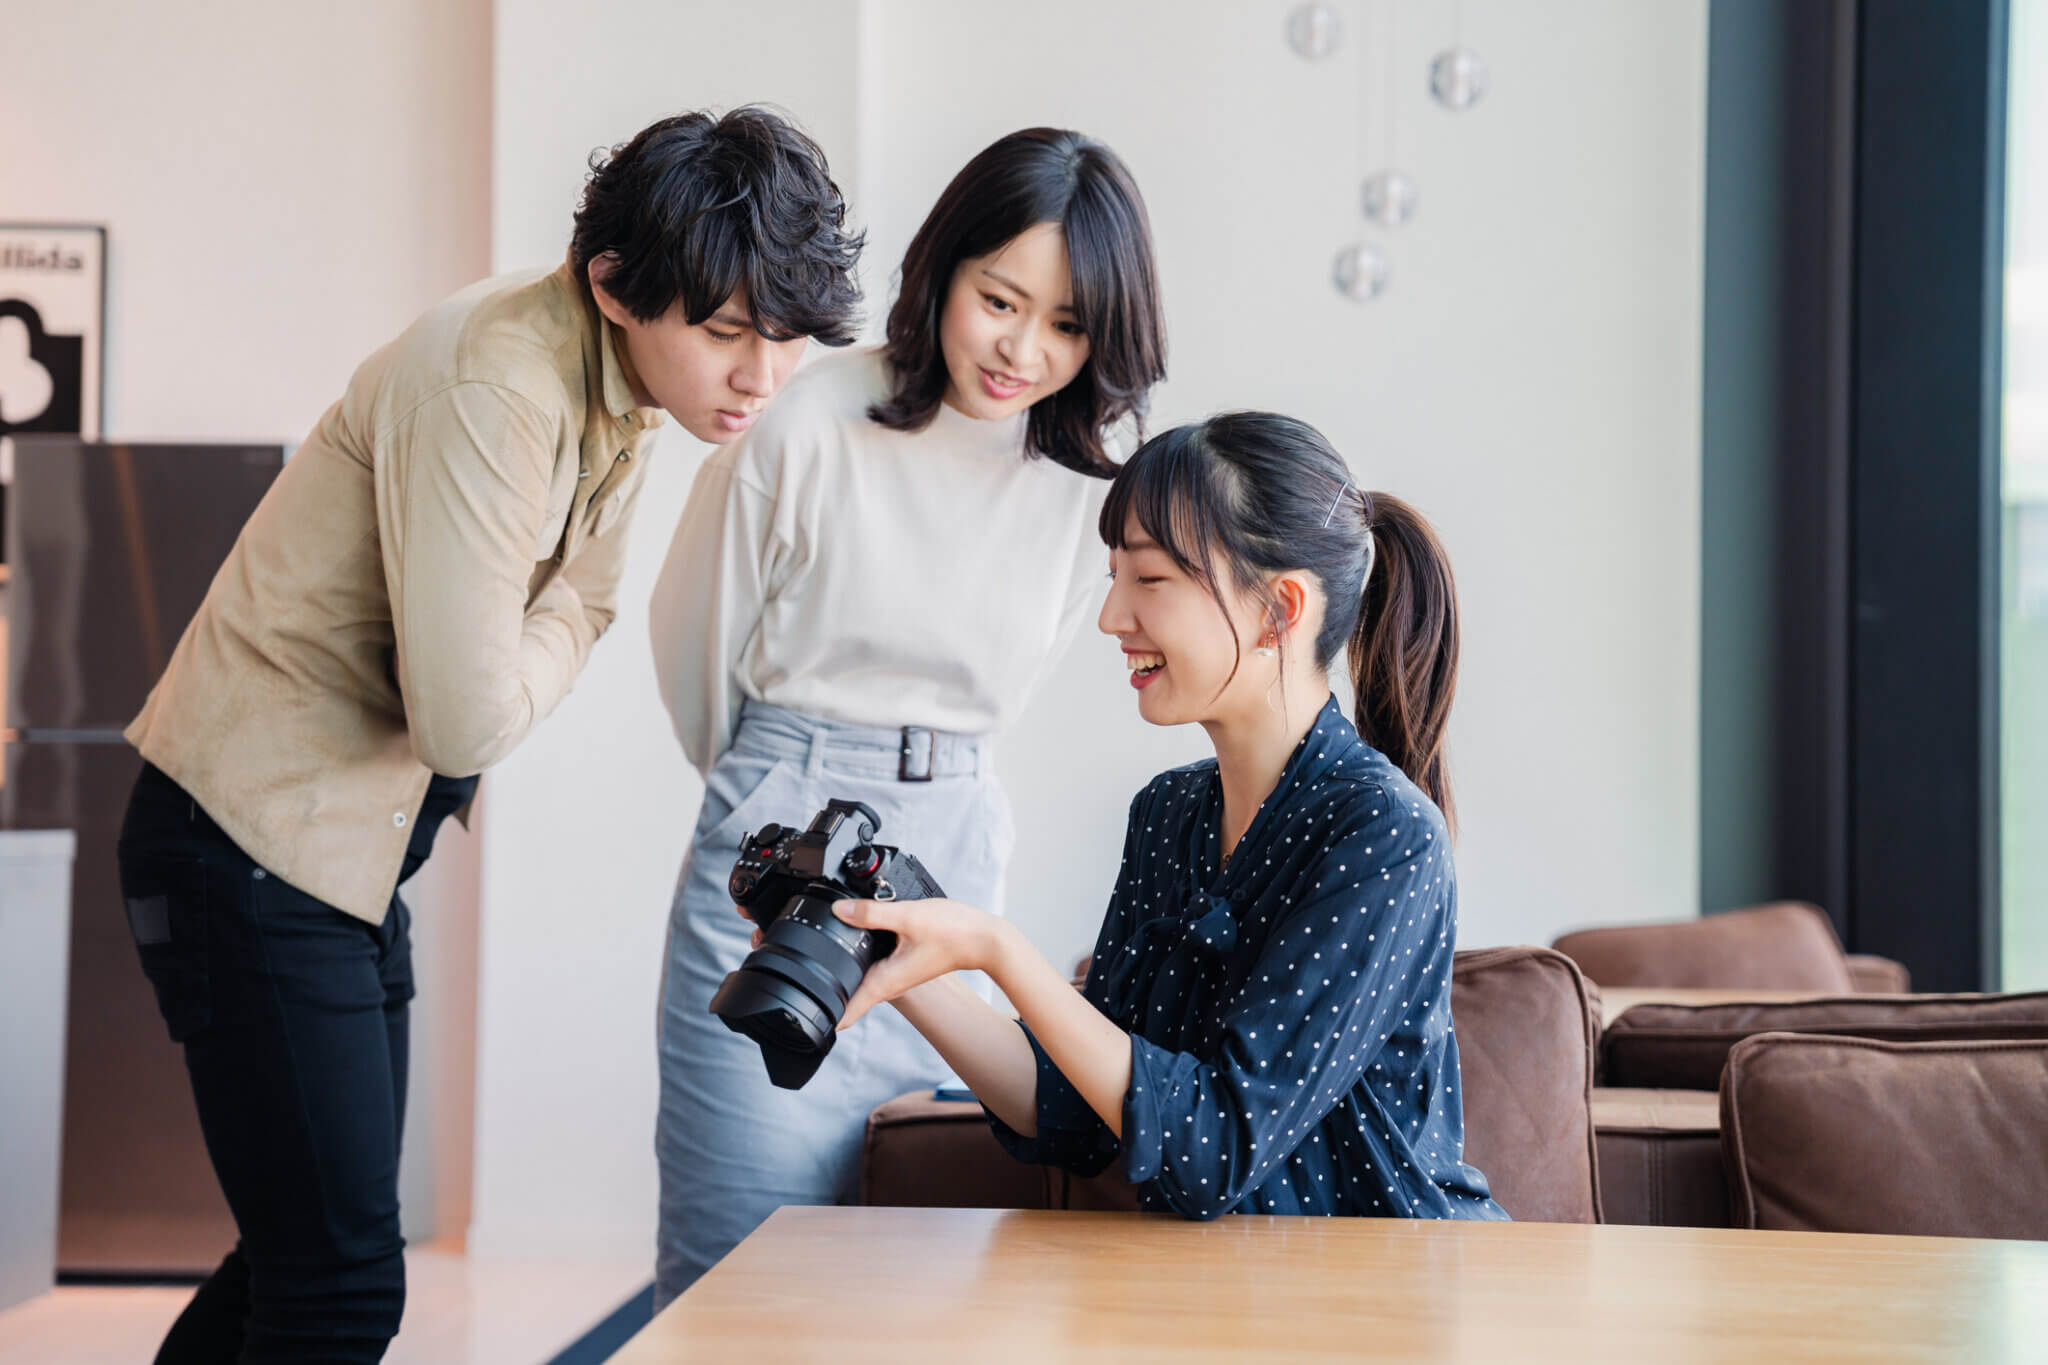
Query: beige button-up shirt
[418, 589]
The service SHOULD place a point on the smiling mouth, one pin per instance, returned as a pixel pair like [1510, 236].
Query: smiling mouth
[1003, 385]
[1144, 667]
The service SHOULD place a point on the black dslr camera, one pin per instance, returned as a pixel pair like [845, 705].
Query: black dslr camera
[791, 992]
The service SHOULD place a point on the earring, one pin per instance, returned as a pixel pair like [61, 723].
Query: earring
[1264, 651]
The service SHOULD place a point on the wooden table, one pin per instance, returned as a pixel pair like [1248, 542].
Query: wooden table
[846, 1285]
[1615, 999]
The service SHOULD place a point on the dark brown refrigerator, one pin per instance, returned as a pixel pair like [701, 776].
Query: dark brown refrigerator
[111, 548]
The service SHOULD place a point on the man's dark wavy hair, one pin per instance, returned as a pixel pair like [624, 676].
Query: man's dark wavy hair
[696, 207]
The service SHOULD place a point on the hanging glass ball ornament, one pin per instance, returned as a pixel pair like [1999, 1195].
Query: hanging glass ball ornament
[1390, 197]
[1361, 271]
[1314, 30]
[1458, 78]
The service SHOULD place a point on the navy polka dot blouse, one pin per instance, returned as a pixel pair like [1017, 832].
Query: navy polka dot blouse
[1289, 1011]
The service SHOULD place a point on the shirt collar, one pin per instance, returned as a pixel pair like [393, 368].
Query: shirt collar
[1328, 743]
[1330, 746]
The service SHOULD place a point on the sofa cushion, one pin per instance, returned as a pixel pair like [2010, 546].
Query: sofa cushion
[1660, 1157]
[1684, 1046]
[1787, 945]
[1525, 1026]
[1831, 1134]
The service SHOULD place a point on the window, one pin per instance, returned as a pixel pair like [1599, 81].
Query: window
[2023, 663]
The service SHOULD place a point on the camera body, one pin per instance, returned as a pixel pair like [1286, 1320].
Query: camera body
[791, 992]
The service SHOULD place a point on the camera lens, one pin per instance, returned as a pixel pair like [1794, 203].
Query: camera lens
[791, 992]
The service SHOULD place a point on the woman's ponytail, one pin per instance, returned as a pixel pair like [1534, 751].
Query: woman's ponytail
[1404, 649]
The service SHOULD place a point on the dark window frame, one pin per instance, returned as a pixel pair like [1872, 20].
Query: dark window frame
[1926, 393]
[1851, 442]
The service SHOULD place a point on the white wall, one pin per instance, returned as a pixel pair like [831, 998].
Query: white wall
[1531, 382]
[284, 186]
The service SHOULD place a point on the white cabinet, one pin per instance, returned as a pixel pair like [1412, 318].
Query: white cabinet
[35, 952]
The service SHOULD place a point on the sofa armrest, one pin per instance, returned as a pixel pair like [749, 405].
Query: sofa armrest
[922, 1152]
[1660, 1157]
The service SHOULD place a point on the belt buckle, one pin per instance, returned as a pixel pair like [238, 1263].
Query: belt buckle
[904, 770]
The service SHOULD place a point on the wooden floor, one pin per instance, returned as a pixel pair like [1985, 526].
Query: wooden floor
[457, 1313]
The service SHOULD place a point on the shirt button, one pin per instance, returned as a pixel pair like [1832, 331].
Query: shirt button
[398, 819]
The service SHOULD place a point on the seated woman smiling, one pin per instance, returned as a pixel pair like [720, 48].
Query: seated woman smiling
[1266, 1023]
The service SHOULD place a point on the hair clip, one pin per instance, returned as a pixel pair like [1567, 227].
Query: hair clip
[1336, 500]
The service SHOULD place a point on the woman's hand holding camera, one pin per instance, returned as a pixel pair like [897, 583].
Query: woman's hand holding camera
[934, 938]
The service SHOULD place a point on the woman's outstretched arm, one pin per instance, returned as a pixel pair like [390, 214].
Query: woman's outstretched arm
[937, 938]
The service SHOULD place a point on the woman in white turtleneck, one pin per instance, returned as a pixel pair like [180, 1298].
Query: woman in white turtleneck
[862, 593]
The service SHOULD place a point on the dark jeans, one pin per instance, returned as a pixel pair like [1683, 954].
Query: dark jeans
[293, 1020]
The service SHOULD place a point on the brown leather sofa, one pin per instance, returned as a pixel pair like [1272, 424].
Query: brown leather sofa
[1526, 1027]
[1662, 1143]
[1941, 1138]
[1659, 1132]
[1786, 945]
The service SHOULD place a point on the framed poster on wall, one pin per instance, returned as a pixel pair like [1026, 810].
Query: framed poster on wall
[52, 326]
[52, 314]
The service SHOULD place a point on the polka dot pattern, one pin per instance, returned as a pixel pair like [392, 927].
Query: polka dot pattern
[1290, 1018]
